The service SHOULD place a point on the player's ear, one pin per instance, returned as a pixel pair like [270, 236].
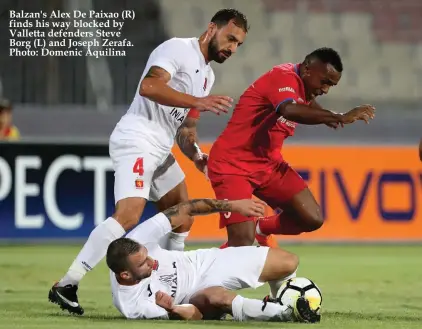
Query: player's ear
[212, 29]
[125, 275]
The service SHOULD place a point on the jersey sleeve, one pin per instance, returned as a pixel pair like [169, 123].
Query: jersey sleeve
[281, 88]
[170, 56]
[146, 309]
[152, 230]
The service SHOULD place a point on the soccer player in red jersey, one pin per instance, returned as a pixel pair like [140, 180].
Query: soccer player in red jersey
[246, 160]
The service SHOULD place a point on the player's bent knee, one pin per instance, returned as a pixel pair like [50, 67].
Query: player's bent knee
[186, 226]
[279, 264]
[291, 263]
[315, 220]
[129, 211]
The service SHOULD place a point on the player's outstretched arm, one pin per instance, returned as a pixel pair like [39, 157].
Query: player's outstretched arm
[154, 87]
[180, 212]
[314, 115]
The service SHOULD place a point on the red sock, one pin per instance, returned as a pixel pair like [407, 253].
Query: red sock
[279, 224]
[224, 245]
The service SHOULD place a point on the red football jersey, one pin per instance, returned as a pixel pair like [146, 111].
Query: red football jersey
[254, 136]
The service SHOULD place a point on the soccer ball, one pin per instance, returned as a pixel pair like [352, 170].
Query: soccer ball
[292, 289]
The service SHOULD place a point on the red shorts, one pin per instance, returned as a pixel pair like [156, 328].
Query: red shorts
[277, 189]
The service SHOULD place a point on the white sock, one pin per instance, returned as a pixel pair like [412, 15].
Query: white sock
[174, 241]
[177, 241]
[245, 309]
[93, 251]
[276, 284]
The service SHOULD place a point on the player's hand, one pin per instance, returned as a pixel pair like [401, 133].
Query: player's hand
[364, 112]
[249, 207]
[215, 104]
[201, 160]
[163, 300]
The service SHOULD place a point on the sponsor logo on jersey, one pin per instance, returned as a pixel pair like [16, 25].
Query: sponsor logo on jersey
[287, 122]
[139, 183]
[179, 114]
[289, 89]
[170, 280]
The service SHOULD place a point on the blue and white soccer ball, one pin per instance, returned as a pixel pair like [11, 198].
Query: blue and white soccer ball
[293, 288]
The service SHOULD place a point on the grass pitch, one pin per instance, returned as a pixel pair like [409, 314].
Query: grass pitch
[363, 287]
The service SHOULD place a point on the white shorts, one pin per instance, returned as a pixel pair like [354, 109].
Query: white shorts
[232, 268]
[141, 172]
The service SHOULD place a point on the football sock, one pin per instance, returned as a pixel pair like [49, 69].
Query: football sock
[278, 224]
[93, 251]
[245, 309]
[176, 241]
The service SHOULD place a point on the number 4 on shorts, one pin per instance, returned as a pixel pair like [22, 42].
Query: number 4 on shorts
[138, 167]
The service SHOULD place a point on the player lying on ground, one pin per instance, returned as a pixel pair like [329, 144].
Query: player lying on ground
[149, 282]
[177, 77]
[246, 160]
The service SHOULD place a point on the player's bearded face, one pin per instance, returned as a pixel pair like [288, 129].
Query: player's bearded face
[215, 53]
[140, 266]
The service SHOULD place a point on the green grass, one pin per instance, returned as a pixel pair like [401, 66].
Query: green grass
[363, 287]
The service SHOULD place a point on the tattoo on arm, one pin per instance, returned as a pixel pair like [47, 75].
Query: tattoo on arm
[198, 207]
[158, 73]
[187, 138]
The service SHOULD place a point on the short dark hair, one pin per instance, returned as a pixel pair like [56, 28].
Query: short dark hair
[327, 56]
[224, 16]
[117, 253]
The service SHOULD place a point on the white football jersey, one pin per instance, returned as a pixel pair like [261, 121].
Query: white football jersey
[174, 276]
[156, 124]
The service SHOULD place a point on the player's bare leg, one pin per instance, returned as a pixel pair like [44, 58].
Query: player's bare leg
[176, 239]
[244, 234]
[215, 302]
[241, 234]
[301, 214]
[127, 215]
[280, 265]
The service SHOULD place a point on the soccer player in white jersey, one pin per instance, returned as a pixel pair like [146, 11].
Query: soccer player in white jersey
[172, 91]
[149, 282]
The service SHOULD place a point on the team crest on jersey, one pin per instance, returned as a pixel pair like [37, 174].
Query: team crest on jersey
[139, 183]
[205, 84]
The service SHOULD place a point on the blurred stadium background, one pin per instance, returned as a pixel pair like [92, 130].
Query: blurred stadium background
[79, 98]
[56, 182]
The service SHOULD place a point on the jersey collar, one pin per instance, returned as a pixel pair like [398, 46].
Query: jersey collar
[297, 69]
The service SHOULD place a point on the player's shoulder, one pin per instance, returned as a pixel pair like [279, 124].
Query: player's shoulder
[181, 44]
[286, 69]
